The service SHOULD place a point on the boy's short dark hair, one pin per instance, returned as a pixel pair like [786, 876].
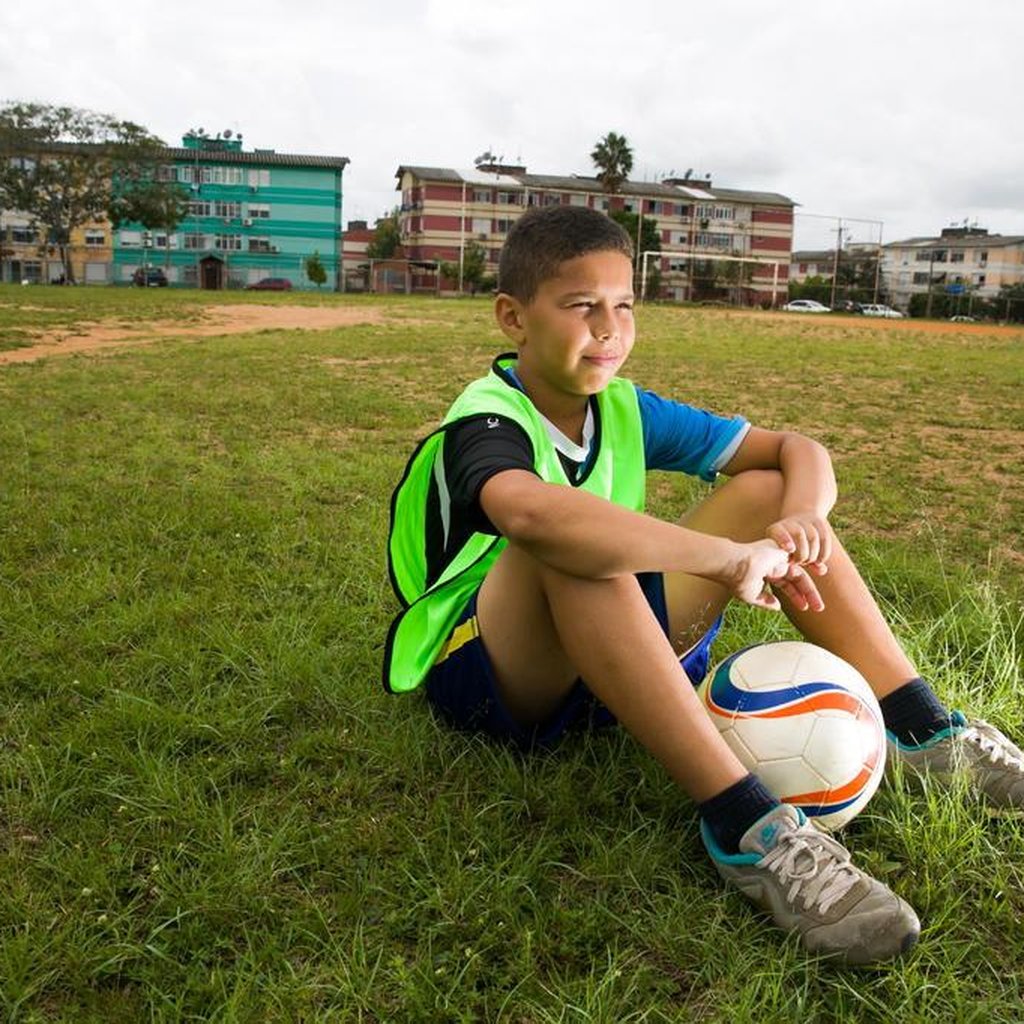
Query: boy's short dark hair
[542, 239]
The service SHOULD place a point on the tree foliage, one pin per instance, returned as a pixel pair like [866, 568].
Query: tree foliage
[156, 205]
[64, 167]
[613, 158]
[315, 269]
[387, 237]
[474, 269]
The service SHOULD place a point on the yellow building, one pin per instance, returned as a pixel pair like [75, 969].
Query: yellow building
[26, 256]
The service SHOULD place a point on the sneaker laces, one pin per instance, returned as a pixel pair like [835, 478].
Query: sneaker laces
[813, 863]
[992, 743]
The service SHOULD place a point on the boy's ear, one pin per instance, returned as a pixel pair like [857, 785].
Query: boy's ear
[508, 311]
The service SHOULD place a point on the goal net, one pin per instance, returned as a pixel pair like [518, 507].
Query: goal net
[683, 275]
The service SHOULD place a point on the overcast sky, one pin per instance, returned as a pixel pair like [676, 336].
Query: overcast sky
[907, 112]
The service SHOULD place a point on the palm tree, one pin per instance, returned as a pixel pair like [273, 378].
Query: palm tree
[613, 158]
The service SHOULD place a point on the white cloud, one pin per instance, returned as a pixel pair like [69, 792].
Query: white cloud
[901, 112]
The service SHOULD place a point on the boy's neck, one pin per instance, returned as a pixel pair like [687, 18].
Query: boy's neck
[567, 412]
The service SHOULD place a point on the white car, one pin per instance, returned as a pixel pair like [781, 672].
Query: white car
[805, 306]
[880, 309]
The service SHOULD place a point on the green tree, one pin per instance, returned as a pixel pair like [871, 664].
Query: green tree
[613, 158]
[386, 237]
[157, 206]
[63, 167]
[315, 269]
[474, 269]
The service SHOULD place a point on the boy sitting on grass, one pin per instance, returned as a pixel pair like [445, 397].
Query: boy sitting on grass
[537, 594]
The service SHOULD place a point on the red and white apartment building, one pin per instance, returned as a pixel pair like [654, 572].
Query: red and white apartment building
[443, 210]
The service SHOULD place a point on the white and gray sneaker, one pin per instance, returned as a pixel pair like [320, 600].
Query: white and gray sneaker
[807, 883]
[973, 750]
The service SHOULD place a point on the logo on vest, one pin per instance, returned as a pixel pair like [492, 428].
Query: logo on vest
[492, 422]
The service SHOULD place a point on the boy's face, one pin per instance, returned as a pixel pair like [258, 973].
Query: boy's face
[576, 331]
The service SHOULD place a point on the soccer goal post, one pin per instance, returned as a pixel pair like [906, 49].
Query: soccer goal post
[686, 275]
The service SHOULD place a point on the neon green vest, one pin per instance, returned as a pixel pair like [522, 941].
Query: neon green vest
[431, 609]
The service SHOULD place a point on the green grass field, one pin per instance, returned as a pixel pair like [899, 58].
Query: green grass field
[211, 811]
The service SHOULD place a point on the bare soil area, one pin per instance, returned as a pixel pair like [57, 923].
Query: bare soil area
[213, 322]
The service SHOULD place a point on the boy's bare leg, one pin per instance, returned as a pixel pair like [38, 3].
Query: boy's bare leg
[851, 625]
[542, 628]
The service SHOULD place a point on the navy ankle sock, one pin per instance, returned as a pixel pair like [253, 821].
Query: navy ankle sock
[730, 813]
[913, 713]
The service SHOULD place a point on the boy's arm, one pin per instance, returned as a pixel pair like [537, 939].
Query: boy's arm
[809, 490]
[581, 534]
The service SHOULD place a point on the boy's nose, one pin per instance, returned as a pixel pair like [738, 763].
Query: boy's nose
[603, 326]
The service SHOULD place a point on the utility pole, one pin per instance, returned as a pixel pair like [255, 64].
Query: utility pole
[931, 263]
[835, 264]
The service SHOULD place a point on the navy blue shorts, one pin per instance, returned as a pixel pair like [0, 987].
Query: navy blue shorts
[461, 687]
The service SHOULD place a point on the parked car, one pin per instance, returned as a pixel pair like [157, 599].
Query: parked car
[881, 309]
[849, 306]
[963, 319]
[805, 306]
[270, 284]
[149, 277]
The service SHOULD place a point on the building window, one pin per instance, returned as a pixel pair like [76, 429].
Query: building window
[481, 226]
[551, 199]
[956, 257]
[23, 234]
[228, 242]
[502, 225]
[195, 241]
[714, 241]
[228, 211]
[131, 239]
[981, 280]
[983, 258]
[923, 256]
[167, 172]
[190, 274]
[261, 244]
[725, 213]
[705, 212]
[258, 178]
[93, 237]
[481, 195]
[921, 278]
[510, 199]
[577, 199]
[259, 210]
[197, 208]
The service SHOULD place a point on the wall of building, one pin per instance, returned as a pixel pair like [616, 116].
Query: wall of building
[264, 223]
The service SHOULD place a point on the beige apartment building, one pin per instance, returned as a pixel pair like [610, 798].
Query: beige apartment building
[445, 209]
[25, 256]
[960, 260]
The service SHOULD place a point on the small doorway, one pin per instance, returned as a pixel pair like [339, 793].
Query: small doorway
[211, 273]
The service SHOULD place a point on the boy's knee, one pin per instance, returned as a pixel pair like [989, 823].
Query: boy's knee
[759, 490]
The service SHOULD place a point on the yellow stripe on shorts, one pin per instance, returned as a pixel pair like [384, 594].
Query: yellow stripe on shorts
[469, 630]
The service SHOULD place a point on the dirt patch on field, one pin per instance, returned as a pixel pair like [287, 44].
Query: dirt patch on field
[211, 323]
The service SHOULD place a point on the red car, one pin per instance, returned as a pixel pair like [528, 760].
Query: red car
[270, 284]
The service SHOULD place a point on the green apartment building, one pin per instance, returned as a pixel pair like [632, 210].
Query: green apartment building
[251, 215]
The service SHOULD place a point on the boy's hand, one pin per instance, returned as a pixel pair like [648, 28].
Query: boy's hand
[806, 538]
[764, 562]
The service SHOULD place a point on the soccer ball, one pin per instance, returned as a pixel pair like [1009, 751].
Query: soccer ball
[805, 722]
